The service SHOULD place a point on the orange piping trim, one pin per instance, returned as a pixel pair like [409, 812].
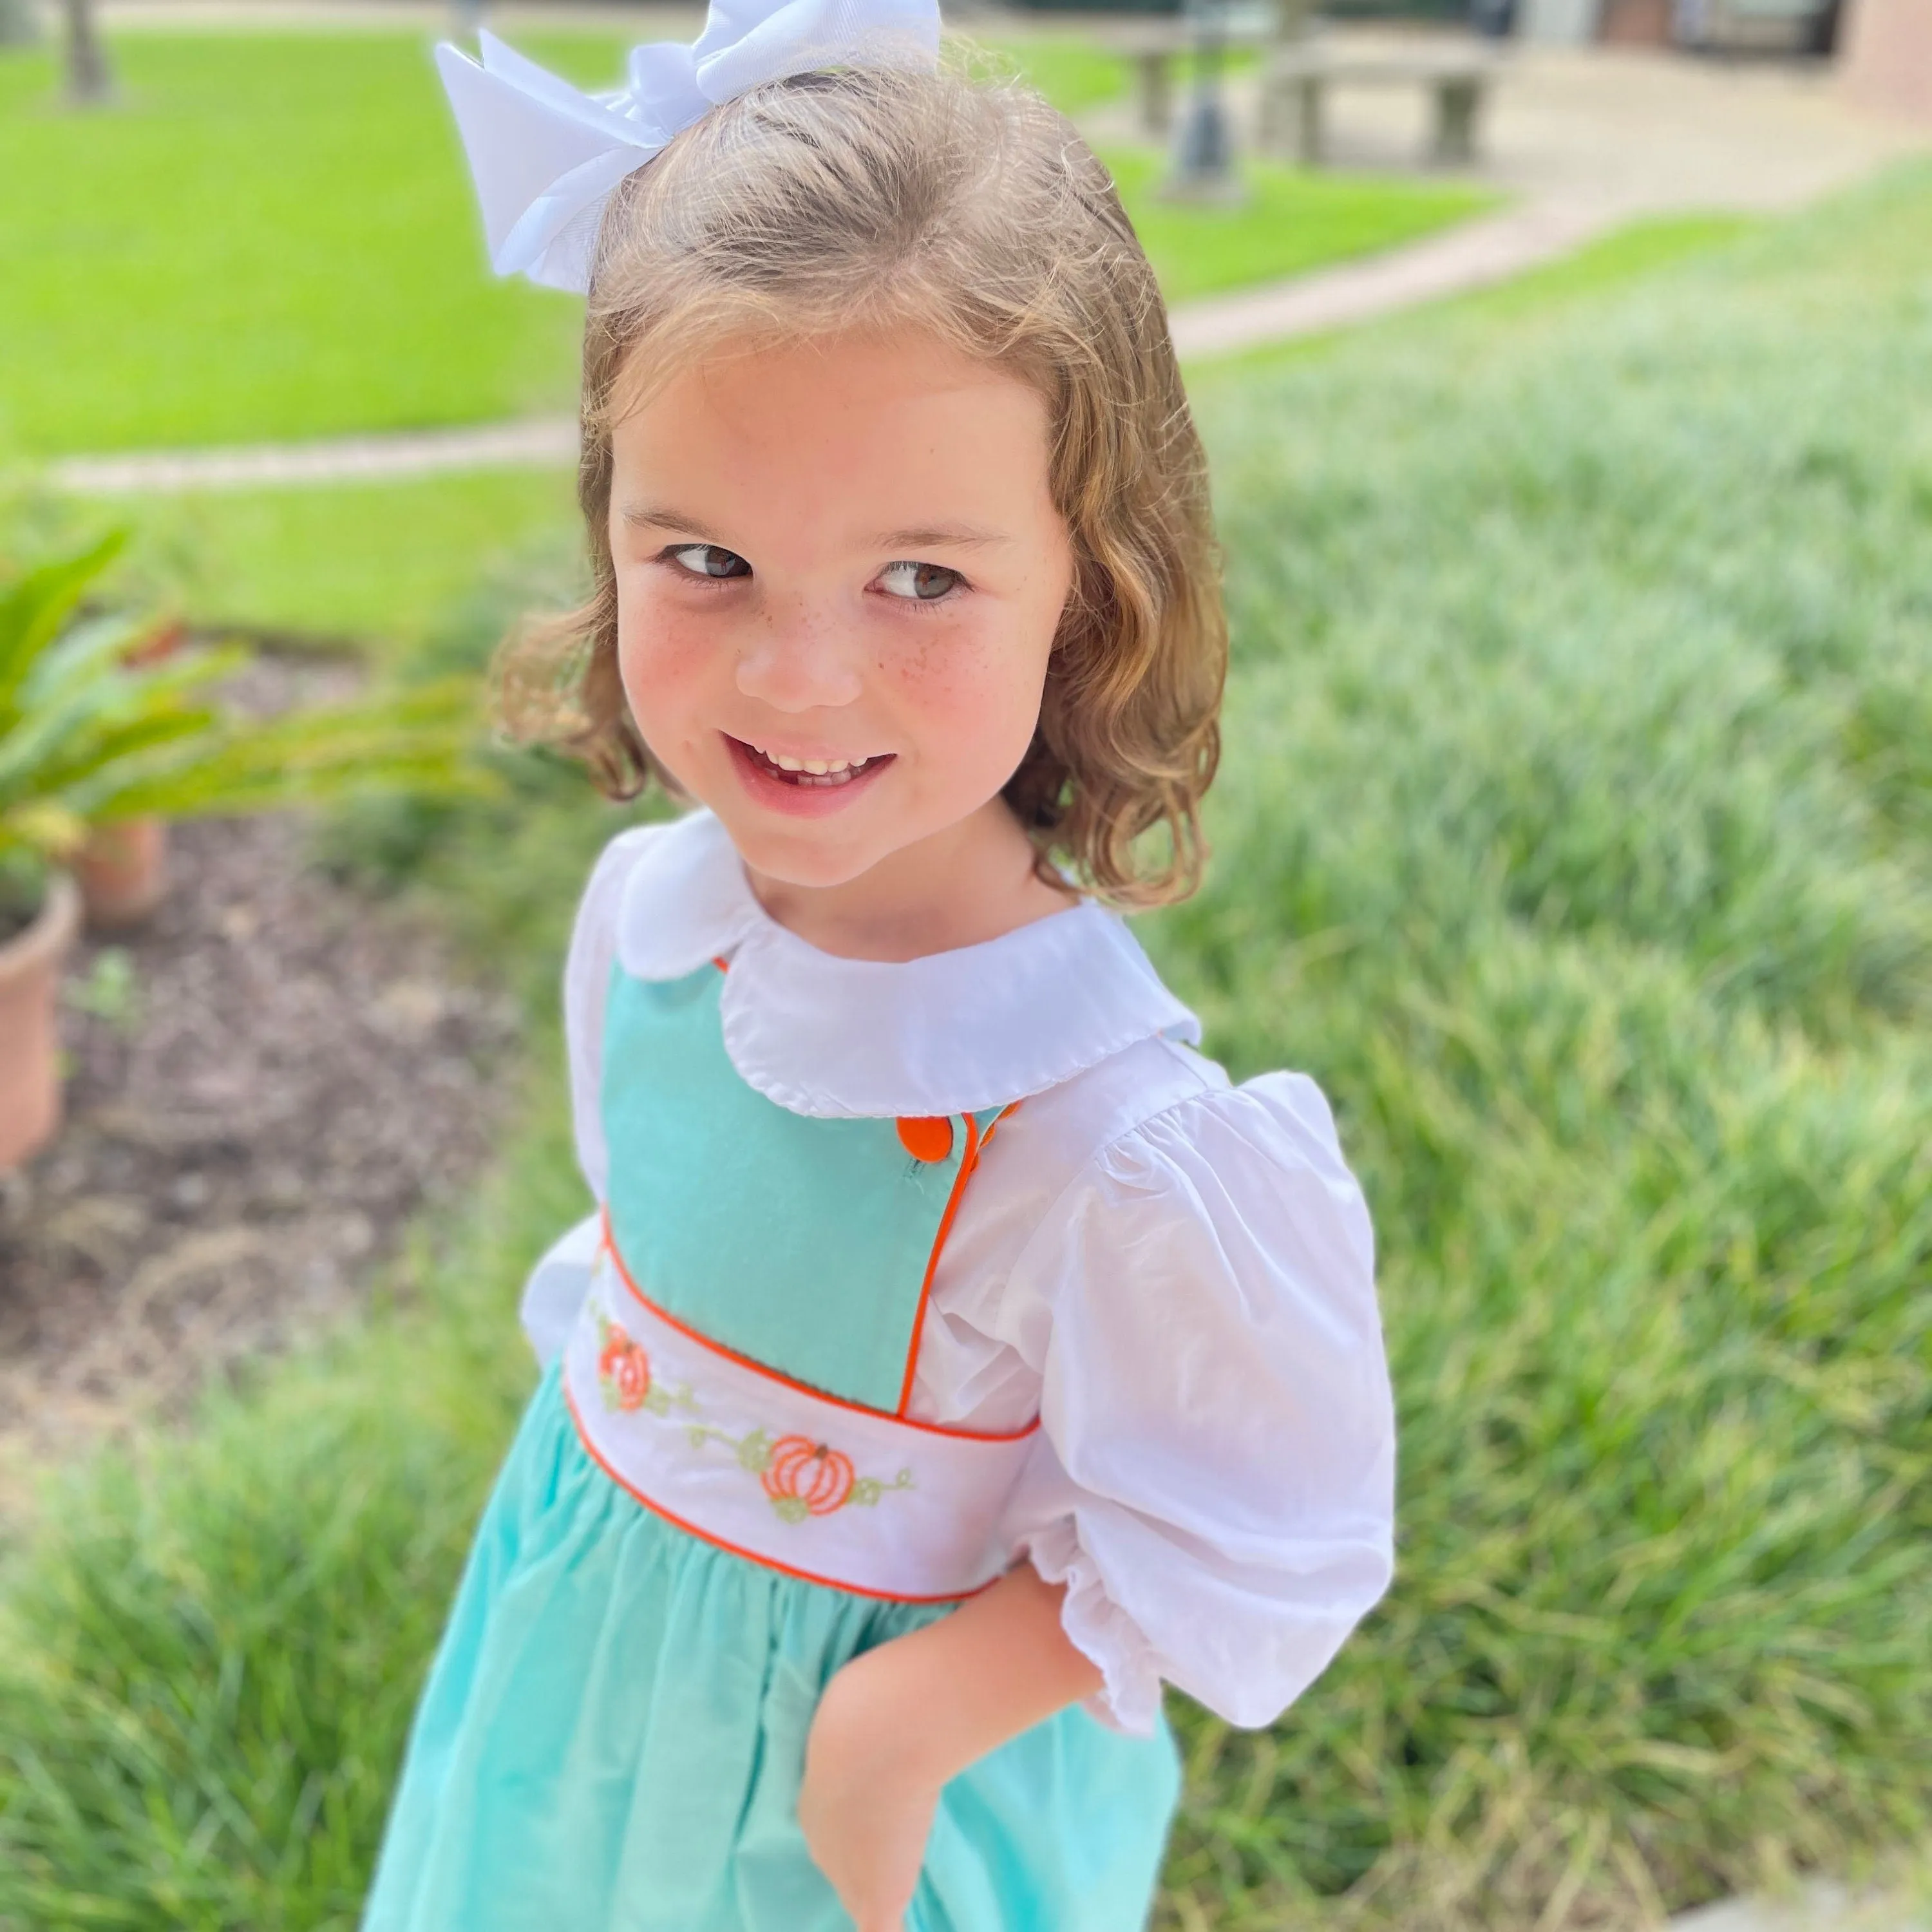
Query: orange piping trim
[718, 960]
[750, 1555]
[975, 1144]
[968, 1161]
[805, 1388]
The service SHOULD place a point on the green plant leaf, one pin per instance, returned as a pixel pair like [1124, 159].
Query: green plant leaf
[115, 746]
[33, 611]
[50, 738]
[88, 651]
[86, 737]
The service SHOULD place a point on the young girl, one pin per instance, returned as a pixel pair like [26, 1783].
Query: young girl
[954, 1355]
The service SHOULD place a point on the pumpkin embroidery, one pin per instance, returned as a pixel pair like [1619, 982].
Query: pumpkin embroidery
[802, 1478]
[811, 1475]
[624, 1374]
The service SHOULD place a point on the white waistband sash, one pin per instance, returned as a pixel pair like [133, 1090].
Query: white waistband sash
[773, 1471]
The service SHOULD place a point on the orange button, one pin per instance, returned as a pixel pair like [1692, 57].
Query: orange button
[926, 1137]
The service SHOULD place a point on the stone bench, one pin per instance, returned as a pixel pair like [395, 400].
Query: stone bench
[1296, 81]
[1297, 74]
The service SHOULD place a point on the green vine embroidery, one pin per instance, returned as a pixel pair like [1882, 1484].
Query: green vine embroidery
[802, 1478]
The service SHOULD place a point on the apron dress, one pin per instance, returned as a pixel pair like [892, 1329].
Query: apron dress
[715, 1499]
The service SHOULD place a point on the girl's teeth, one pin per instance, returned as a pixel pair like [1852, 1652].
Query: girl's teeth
[836, 770]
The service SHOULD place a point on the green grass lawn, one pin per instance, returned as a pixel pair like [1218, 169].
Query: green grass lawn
[1575, 830]
[1075, 74]
[272, 237]
[377, 565]
[380, 566]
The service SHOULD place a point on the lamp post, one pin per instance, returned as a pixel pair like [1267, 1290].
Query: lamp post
[1203, 152]
[88, 82]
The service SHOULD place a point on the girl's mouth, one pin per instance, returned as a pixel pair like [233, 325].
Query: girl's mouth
[804, 782]
[810, 771]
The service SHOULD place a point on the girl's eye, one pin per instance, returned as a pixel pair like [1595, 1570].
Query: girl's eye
[711, 560]
[923, 582]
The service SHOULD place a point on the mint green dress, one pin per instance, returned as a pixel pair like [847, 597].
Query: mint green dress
[613, 1733]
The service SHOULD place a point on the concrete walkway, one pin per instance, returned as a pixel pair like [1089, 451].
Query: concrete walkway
[1818, 1906]
[1582, 140]
[546, 443]
[1471, 255]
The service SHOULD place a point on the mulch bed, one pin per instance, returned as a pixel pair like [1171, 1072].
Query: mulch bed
[265, 1082]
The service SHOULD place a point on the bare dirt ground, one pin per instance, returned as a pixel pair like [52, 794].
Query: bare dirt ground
[265, 1083]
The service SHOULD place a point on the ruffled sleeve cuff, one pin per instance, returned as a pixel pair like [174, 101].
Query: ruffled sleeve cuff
[1214, 1477]
[556, 1287]
[1128, 1698]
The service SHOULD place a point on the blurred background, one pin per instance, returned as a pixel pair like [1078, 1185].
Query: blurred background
[1566, 369]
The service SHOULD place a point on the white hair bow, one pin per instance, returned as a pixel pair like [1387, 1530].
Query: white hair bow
[544, 157]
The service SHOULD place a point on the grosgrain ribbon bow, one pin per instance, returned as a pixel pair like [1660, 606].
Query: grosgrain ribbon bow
[544, 156]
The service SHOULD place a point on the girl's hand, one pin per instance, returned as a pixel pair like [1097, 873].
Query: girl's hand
[866, 1807]
[899, 1721]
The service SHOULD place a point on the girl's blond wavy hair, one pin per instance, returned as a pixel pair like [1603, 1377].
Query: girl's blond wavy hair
[873, 199]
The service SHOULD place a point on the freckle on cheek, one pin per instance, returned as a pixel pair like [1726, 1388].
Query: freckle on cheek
[941, 666]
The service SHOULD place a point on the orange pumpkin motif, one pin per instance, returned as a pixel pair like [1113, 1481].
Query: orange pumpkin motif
[623, 1368]
[802, 1475]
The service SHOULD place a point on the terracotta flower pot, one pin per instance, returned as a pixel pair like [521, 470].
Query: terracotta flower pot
[30, 1096]
[123, 871]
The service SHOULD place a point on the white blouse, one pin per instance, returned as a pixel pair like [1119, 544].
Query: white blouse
[1175, 1273]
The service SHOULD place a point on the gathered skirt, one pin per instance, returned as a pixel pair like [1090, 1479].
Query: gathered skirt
[613, 1731]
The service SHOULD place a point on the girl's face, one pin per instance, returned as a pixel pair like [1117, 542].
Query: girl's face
[839, 573]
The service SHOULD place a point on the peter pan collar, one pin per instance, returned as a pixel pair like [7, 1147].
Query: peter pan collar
[953, 1033]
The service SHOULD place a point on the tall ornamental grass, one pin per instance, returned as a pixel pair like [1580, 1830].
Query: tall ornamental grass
[1575, 833]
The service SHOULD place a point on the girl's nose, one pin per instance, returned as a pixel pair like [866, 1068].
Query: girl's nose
[797, 661]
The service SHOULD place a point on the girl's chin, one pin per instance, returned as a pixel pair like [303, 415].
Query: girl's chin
[813, 856]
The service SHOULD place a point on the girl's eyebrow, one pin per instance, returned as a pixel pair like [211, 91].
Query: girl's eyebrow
[957, 536]
[663, 517]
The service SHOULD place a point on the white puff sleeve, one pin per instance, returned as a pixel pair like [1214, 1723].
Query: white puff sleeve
[1214, 1477]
